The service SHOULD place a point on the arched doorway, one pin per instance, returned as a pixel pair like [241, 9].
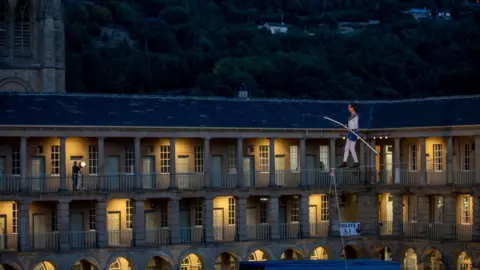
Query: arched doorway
[120, 264]
[7, 267]
[349, 252]
[385, 254]
[158, 263]
[83, 265]
[291, 255]
[319, 253]
[433, 260]
[464, 262]
[191, 262]
[258, 256]
[410, 261]
[44, 266]
[226, 261]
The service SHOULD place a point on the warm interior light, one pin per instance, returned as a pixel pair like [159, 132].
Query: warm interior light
[381, 137]
[374, 138]
[83, 164]
[386, 137]
[343, 138]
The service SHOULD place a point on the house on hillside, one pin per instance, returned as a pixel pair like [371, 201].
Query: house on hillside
[425, 13]
[275, 28]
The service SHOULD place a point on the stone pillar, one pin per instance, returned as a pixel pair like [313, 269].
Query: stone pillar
[477, 160]
[450, 160]
[101, 223]
[423, 161]
[138, 223]
[101, 163]
[23, 164]
[63, 163]
[272, 177]
[63, 215]
[207, 167]
[138, 161]
[241, 213]
[423, 210]
[396, 160]
[363, 161]
[240, 175]
[368, 212]
[373, 163]
[208, 219]
[476, 219]
[24, 226]
[397, 214]
[331, 152]
[174, 220]
[173, 169]
[273, 208]
[47, 23]
[304, 216]
[303, 163]
[450, 217]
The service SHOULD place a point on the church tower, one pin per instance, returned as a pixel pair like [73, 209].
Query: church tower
[32, 46]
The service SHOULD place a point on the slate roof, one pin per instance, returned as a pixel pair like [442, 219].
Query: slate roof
[50, 109]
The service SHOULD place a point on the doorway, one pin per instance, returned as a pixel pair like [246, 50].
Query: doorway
[39, 231]
[218, 223]
[388, 164]
[77, 228]
[280, 170]
[312, 219]
[38, 173]
[113, 164]
[217, 171]
[182, 172]
[113, 225]
[249, 171]
[148, 172]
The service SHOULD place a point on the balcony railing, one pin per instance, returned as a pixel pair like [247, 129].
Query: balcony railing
[44, 184]
[10, 183]
[158, 237]
[8, 242]
[463, 232]
[258, 232]
[83, 239]
[437, 178]
[410, 230]
[289, 230]
[319, 228]
[44, 241]
[120, 182]
[384, 228]
[410, 178]
[464, 178]
[192, 235]
[120, 238]
[225, 233]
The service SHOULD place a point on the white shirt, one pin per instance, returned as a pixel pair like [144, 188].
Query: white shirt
[353, 122]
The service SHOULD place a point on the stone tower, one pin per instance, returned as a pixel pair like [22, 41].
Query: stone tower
[32, 46]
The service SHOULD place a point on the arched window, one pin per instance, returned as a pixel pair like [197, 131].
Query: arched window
[464, 262]
[22, 30]
[410, 261]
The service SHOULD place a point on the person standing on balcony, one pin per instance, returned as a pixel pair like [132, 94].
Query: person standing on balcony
[75, 172]
[351, 138]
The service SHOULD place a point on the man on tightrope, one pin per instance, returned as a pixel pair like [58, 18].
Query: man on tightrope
[351, 138]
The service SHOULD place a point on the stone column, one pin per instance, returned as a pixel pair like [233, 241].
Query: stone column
[423, 161]
[396, 160]
[24, 226]
[138, 161]
[373, 163]
[47, 23]
[208, 219]
[241, 210]
[63, 215]
[331, 152]
[450, 217]
[101, 223]
[304, 216]
[101, 163]
[476, 218]
[272, 182]
[207, 167]
[240, 175]
[273, 208]
[23, 164]
[174, 220]
[138, 223]
[368, 212]
[303, 163]
[397, 214]
[450, 160]
[173, 170]
[63, 163]
[477, 160]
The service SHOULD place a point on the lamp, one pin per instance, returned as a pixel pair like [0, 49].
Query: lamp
[82, 164]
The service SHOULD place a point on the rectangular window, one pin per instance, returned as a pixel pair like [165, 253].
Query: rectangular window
[199, 214]
[437, 158]
[15, 161]
[324, 159]
[295, 209]
[264, 156]
[199, 159]
[324, 208]
[263, 210]
[165, 159]
[92, 217]
[412, 208]
[129, 160]
[231, 211]
[466, 217]
[128, 210]
[412, 158]
[92, 159]
[466, 153]
[294, 159]
[232, 159]
[54, 218]
[55, 159]
[15, 217]
[436, 210]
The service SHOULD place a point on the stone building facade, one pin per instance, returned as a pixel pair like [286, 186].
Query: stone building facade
[32, 46]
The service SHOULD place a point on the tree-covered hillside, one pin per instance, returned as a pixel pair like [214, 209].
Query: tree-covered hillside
[210, 47]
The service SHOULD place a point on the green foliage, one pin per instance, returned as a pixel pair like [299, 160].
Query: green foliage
[211, 47]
